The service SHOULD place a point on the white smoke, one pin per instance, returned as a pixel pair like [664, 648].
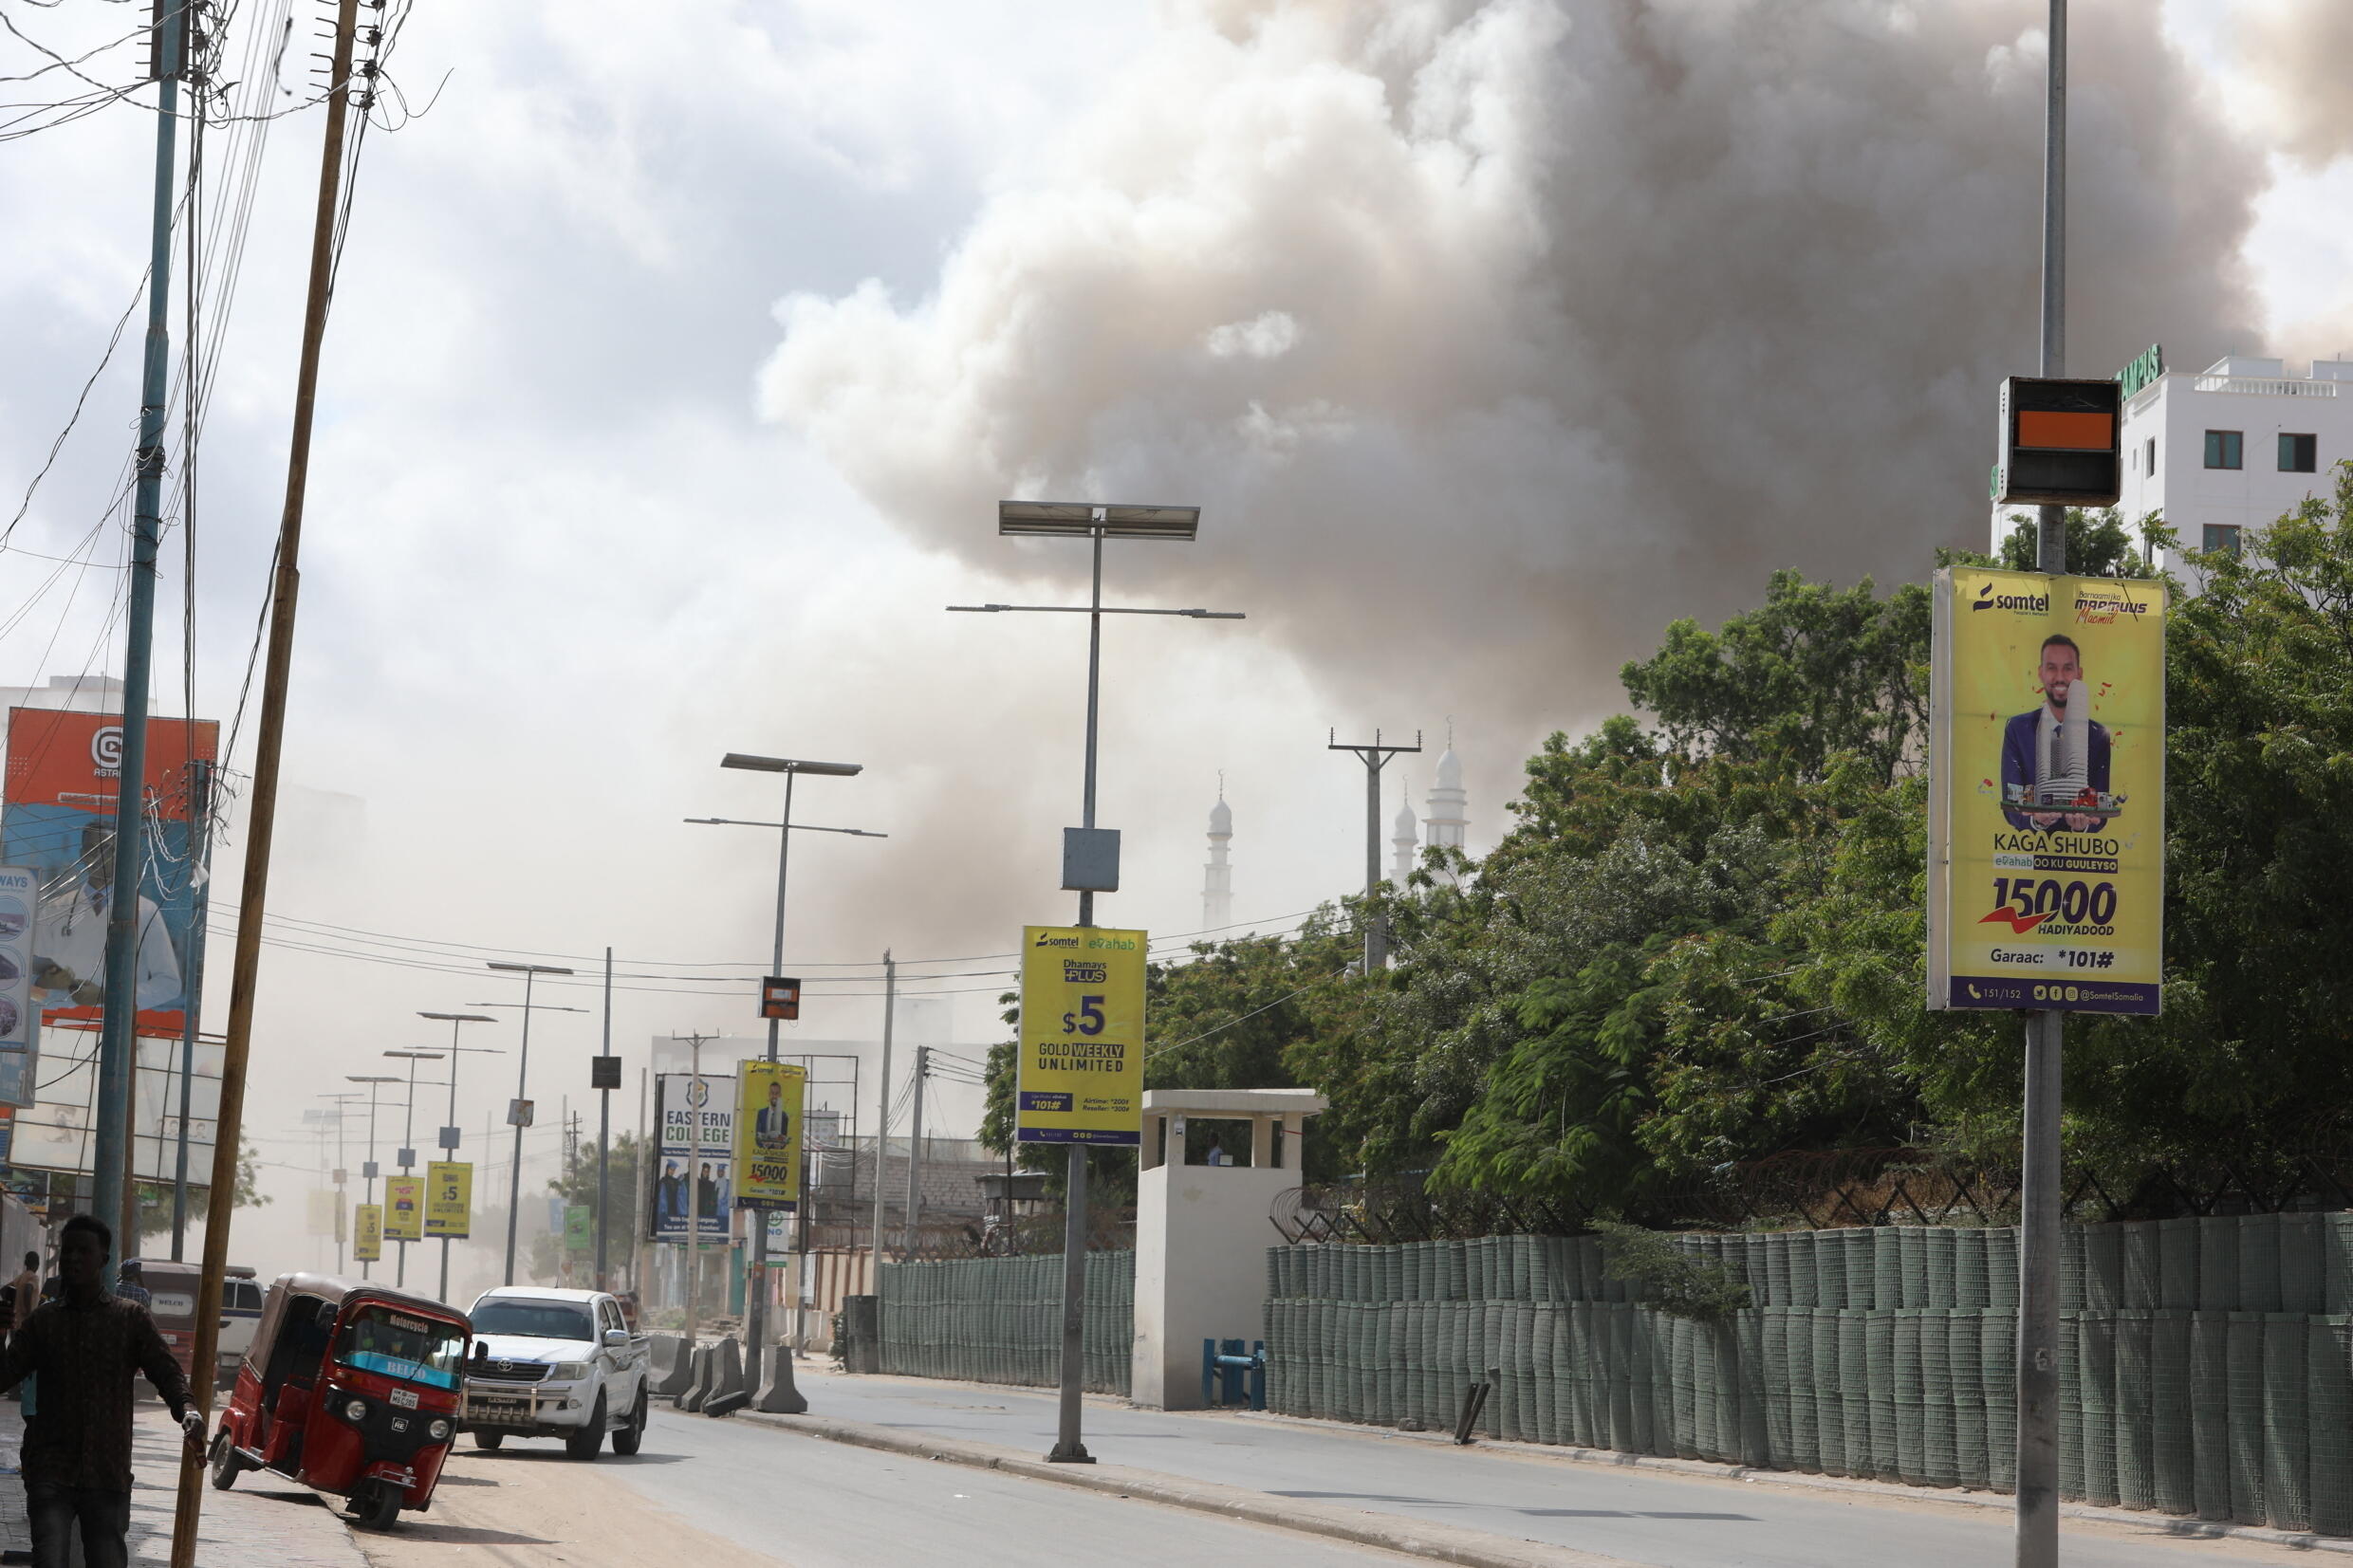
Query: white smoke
[1491, 336]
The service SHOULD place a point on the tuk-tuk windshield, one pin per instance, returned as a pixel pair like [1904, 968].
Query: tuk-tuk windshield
[398, 1344]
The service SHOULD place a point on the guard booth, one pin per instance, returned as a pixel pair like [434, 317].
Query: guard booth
[1211, 1165]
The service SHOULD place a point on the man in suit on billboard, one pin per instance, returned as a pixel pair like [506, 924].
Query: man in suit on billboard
[2030, 740]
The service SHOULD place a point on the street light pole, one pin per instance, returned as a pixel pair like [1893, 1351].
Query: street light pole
[514, 1113]
[2041, 1203]
[342, 1212]
[756, 1292]
[447, 1141]
[1071, 520]
[368, 1169]
[408, 1150]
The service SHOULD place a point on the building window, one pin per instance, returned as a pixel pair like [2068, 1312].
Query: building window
[2221, 537]
[2149, 466]
[2298, 455]
[2225, 449]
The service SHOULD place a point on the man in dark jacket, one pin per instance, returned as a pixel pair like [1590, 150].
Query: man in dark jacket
[85, 1345]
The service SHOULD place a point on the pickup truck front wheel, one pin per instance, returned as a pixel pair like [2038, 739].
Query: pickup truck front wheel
[586, 1443]
[626, 1441]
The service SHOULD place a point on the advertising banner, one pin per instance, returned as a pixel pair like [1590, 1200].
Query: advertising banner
[449, 1199]
[367, 1232]
[55, 1133]
[767, 1133]
[2046, 792]
[693, 1150]
[577, 1220]
[20, 892]
[404, 1209]
[57, 817]
[1081, 1077]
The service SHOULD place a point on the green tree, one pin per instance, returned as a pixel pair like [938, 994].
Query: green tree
[155, 1198]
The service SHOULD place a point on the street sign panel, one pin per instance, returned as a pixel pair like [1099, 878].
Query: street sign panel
[1081, 1073]
[518, 1113]
[2046, 792]
[367, 1242]
[449, 1199]
[604, 1072]
[404, 1209]
[770, 1097]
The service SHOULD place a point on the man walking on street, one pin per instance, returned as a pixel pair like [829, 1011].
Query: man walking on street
[85, 1345]
[20, 1297]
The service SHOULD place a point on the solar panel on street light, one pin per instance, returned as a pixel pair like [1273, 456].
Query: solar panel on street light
[1081, 519]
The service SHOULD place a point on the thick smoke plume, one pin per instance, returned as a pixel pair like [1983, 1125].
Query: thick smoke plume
[1493, 336]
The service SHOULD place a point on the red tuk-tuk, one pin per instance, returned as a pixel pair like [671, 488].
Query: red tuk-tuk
[351, 1388]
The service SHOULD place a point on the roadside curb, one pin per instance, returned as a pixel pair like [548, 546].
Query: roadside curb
[2174, 1525]
[1436, 1542]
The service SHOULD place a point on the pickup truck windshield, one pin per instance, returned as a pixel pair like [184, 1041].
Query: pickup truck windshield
[416, 1350]
[534, 1320]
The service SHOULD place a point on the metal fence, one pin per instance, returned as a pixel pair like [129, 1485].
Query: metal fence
[2204, 1361]
[999, 1320]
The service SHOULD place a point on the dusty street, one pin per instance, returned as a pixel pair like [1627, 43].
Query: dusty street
[722, 1494]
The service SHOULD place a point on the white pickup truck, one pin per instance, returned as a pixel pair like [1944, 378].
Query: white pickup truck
[555, 1363]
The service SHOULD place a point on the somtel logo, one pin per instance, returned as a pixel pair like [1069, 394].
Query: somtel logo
[107, 748]
[1047, 939]
[2026, 604]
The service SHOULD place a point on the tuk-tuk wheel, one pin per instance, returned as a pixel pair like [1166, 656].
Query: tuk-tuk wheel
[376, 1507]
[225, 1466]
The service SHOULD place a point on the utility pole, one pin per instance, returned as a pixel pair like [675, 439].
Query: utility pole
[261, 825]
[605, 1124]
[1376, 757]
[199, 860]
[638, 1244]
[523, 1070]
[693, 1193]
[914, 1147]
[111, 1175]
[883, 1121]
[2040, 1199]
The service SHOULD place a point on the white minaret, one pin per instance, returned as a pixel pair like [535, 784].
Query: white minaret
[1217, 879]
[1447, 817]
[1405, 837]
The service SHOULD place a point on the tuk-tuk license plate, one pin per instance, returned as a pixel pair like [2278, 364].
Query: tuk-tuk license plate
[404, 1399]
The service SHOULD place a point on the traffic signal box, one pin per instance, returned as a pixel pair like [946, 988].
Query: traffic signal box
[780, 997]
[2060, 443]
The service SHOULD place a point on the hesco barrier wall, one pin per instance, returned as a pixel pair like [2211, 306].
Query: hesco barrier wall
[2204, 1363]
[999, 1320]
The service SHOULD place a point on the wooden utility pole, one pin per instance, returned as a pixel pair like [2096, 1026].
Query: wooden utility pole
[262, 828]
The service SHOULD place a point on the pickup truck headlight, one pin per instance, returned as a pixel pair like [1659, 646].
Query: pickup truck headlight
[565, 1372]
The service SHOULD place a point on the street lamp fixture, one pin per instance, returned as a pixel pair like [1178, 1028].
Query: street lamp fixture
[1090, 856]
[755, 1319]
[530, 973]
[448, 1140]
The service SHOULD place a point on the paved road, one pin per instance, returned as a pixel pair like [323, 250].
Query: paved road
[1660, 1521]
[723, 1494]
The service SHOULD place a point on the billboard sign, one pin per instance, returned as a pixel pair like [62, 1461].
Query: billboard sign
[2046, 792]
[767, 1133]
[693, 1149]
[57, 818]
[577, 1237]
[367, 1240]
[404, 1209]
[1080, 1077]
[20, 892]
[449, 1199]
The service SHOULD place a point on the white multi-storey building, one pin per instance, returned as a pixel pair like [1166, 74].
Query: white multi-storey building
[2221, 450]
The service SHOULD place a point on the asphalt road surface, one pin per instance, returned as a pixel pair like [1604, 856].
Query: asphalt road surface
[725, 1494]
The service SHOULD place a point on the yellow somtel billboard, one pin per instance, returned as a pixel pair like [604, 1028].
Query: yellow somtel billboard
[1081, 1077]
[449, 1199]
[768, 1096]
[404, 1209]
[2046, 792]
[367, 1233]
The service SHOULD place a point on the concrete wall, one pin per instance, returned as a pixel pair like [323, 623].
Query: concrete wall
[1200, 1270]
